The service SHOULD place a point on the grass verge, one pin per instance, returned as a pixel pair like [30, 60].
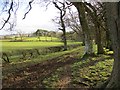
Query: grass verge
[19, 64]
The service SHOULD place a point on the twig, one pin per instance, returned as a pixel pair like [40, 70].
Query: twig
[9, 12]
[29, 9]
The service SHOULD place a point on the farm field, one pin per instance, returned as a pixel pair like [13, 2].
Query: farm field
[36, 38]
[32, 39]
[13, 51]
[8, 45]
[43, 38]
[11, 46]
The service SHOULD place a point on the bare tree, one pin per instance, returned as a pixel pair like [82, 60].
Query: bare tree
[21, 34]
[61, 6]
[72, 21]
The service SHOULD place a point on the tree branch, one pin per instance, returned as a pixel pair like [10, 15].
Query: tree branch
[57, 6]
[29, 9]
[9, 15]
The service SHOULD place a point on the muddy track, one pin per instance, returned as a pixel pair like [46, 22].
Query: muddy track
[33, 76]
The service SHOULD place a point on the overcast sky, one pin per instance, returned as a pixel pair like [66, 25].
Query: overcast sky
[38, 18]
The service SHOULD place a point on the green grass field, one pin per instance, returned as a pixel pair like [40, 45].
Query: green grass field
[8, 46]
[42, 38]
[33, 39]
[11, 46]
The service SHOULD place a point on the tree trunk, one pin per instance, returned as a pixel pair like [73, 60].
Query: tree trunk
[113, 23]
[64, 40]
[96, 21]
[39, 38]
[64, 31]
[98, 40]
[108, 41]
[46, 38]
[83, 39]
[51, 38]
[85, 28]
[62, 14]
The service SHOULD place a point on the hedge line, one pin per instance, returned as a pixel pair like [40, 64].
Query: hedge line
[31, 53]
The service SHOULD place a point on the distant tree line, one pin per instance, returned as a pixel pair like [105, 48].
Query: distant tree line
[70, 35]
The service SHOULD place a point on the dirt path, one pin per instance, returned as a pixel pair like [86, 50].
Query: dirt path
[33, 76]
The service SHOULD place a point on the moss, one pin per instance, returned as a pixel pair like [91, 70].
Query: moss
[93, 74]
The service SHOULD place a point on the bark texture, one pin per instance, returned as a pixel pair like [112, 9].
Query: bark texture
[113, 23]
[85, 28]
[93, 14]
